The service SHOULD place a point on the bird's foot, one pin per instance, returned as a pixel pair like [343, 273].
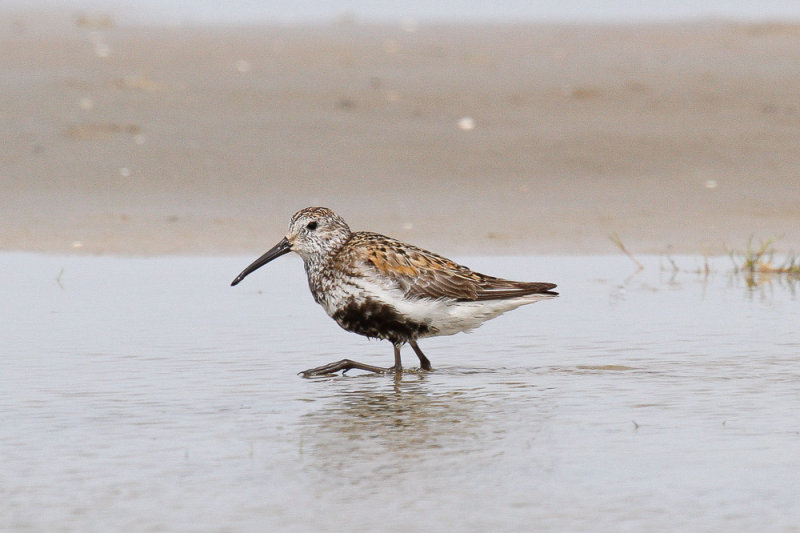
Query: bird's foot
[348, 364]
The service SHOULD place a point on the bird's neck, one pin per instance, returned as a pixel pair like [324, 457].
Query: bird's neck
[318, 268]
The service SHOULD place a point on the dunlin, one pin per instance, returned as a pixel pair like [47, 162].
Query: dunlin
[383, 288]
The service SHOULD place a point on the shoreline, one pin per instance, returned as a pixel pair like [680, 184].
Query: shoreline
[680, 138]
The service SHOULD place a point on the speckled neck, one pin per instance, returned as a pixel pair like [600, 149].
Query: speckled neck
[318, 267]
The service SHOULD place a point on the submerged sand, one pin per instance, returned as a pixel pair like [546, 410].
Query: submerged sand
[679, 138]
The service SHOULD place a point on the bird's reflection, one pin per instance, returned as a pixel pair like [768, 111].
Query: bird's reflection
[391, 423]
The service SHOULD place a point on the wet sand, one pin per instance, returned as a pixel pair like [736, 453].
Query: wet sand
[515, 139]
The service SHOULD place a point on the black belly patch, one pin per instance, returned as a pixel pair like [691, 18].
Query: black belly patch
[378, 320]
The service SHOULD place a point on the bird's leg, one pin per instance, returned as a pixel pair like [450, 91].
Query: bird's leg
[344, 365]
[398, 365]
[424, 363]
[348, 364]
[397, 362]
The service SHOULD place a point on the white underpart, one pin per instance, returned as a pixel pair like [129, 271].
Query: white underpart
[443, 316]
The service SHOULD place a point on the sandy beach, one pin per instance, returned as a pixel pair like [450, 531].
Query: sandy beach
[512, 139]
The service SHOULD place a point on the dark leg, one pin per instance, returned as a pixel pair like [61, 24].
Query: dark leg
[424, 364]
[398, 365]
[345, 365]
[348, 364]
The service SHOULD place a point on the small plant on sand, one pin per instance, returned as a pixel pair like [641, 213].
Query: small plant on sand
[755, 264]
[618, 241]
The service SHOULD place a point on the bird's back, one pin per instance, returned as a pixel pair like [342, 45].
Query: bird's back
[423, 274]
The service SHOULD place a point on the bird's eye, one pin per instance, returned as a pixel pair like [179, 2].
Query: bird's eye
[312, 225]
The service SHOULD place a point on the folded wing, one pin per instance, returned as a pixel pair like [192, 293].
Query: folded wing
[422, 274]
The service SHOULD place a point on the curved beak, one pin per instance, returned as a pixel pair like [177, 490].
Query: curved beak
[283, 247]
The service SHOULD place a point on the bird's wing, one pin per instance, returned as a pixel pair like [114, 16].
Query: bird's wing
[422, 274]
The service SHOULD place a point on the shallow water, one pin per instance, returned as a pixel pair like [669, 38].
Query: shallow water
[148, 395]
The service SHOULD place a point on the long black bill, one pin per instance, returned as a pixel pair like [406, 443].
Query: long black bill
[278, 250]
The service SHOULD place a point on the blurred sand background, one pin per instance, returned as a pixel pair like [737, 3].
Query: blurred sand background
[468, 139]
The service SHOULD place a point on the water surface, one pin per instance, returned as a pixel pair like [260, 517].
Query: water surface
[147, 394]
